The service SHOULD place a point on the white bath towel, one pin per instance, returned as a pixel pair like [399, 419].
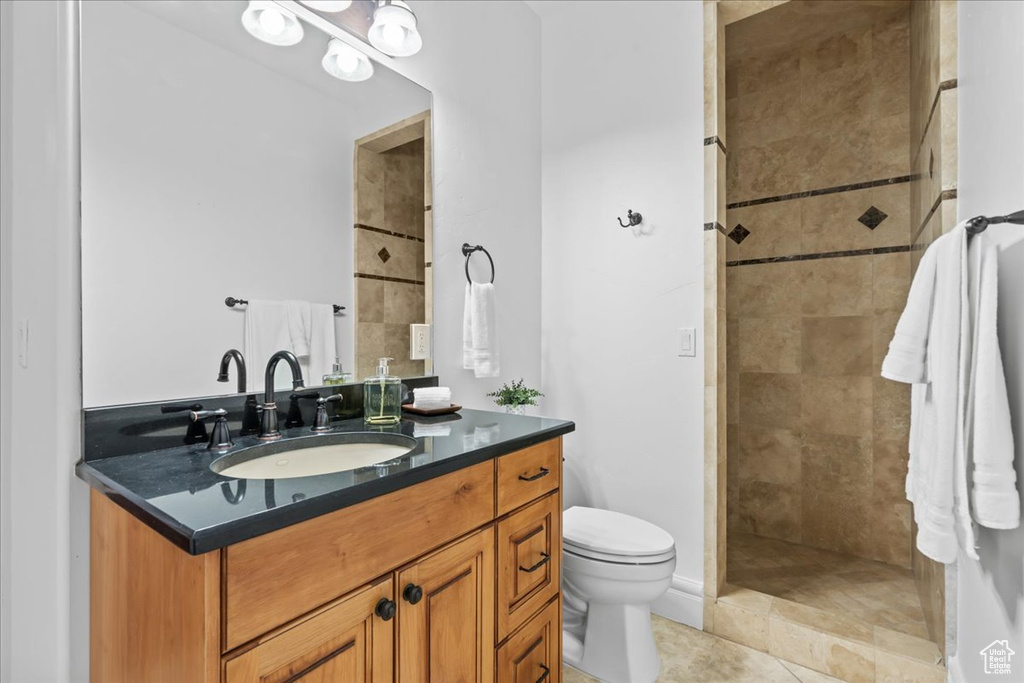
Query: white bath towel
[995, 502]
[480, 331]
[266, 333]
[932, 350]
[322, 344]
[299, 327]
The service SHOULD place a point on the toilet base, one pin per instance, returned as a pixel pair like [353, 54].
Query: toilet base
[620, 645]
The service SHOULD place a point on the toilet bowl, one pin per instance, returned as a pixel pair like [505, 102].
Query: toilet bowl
[613, 567]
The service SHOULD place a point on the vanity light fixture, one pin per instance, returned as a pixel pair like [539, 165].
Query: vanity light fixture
[271, 23]
[345, 62]
[327, 5]
[393, 31]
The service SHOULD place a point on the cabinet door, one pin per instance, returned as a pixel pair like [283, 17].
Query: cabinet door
[531, 655]
[345, 642]
[529, 562]
[446, 614]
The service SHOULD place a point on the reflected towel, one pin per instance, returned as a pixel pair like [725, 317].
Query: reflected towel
[480, 331]
[322, 344]
[266, 333]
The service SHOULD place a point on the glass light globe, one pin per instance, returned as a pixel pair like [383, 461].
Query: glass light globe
[328, 5]
[393, 31]
[346, 63]
[271, 23]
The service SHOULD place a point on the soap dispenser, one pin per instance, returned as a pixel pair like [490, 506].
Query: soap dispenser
[337, 375]
[382, 397]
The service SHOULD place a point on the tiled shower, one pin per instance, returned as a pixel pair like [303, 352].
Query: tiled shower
[824, 138]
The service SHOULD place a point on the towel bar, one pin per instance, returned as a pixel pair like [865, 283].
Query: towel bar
[979, 223]
[231, 302]
[467, 251]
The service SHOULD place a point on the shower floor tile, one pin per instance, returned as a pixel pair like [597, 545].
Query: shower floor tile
[876, 593]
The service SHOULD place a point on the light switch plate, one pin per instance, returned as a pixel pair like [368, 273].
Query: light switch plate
[419, 341]
[687, 341]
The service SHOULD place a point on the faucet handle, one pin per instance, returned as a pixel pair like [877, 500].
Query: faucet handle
[220, 438]
[321, 421]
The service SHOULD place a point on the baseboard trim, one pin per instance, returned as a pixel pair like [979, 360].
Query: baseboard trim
[956, 674]
[683, 602]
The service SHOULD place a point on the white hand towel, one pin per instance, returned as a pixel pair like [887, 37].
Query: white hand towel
[322, 344]
[995, 502]
[480, 331]
[432, 398]
[299, 327]
[266, 333]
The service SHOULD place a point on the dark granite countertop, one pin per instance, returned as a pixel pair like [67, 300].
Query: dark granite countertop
[174, 491]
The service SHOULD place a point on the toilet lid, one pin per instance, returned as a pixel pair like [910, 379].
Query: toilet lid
[612, 533]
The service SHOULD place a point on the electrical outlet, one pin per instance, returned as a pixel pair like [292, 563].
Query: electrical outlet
[419, 342]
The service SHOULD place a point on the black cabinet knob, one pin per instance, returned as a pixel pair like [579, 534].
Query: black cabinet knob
[412, 594]
[385, 609]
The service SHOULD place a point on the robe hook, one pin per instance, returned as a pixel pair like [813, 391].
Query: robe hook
[634, 219]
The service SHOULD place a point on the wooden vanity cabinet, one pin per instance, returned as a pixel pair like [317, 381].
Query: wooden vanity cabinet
[453, 579]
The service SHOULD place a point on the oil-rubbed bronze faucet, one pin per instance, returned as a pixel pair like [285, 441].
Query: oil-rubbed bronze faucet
[225, 362]
[268, 417]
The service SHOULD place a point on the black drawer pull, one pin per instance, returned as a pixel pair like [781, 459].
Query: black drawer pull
[544, 471]
[412, 594]
[544, 676]
[544, 559]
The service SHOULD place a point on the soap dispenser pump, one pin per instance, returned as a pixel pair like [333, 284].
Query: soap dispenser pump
[382, 397]
[337, 375]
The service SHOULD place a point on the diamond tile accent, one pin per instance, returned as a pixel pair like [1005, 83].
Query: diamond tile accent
[873, 217]
[739, 233]
[384, 254]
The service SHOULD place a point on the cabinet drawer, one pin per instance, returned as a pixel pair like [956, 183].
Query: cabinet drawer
[532, 654]
[529, 559]
[272, 579]
[528, 474]
[346, 641]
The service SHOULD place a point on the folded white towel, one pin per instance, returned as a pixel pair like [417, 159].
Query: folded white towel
[421, 430]
[480, 331]
[432, 398]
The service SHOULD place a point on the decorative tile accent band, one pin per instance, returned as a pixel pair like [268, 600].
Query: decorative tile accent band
[385, 278]
[428, 264]
[943, 196]
[822, 255]
[715, 140]
[714, 226]
[428, 207]
[824, 190]
[945, 85]
[362, 226]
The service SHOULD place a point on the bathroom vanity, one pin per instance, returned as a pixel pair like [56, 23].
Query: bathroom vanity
[443, 565]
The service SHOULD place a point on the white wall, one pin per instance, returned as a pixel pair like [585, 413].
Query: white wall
[990, 592]
[6, 336]
[623, 124]
[486, 91]
[481, 61]
[47, 533]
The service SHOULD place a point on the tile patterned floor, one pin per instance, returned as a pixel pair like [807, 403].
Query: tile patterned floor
[689, 655]
[876, 593]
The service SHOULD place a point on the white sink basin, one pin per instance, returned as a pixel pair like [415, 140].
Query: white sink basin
[312, 457]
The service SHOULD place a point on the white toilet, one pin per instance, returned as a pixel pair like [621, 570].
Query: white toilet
[613, 567]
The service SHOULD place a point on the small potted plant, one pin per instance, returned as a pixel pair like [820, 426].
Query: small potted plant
[515, 397]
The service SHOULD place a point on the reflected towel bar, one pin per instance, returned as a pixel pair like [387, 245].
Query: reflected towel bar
[231, 302]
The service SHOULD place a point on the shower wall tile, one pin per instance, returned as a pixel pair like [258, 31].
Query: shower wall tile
[839, 286]
[837, 346]
[769, 345]
[835, 405]
[806, 337]
[770, 400]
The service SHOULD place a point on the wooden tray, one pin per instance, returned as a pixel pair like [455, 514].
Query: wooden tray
[408, 407]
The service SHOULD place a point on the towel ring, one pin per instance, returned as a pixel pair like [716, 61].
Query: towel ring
[467, 251]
